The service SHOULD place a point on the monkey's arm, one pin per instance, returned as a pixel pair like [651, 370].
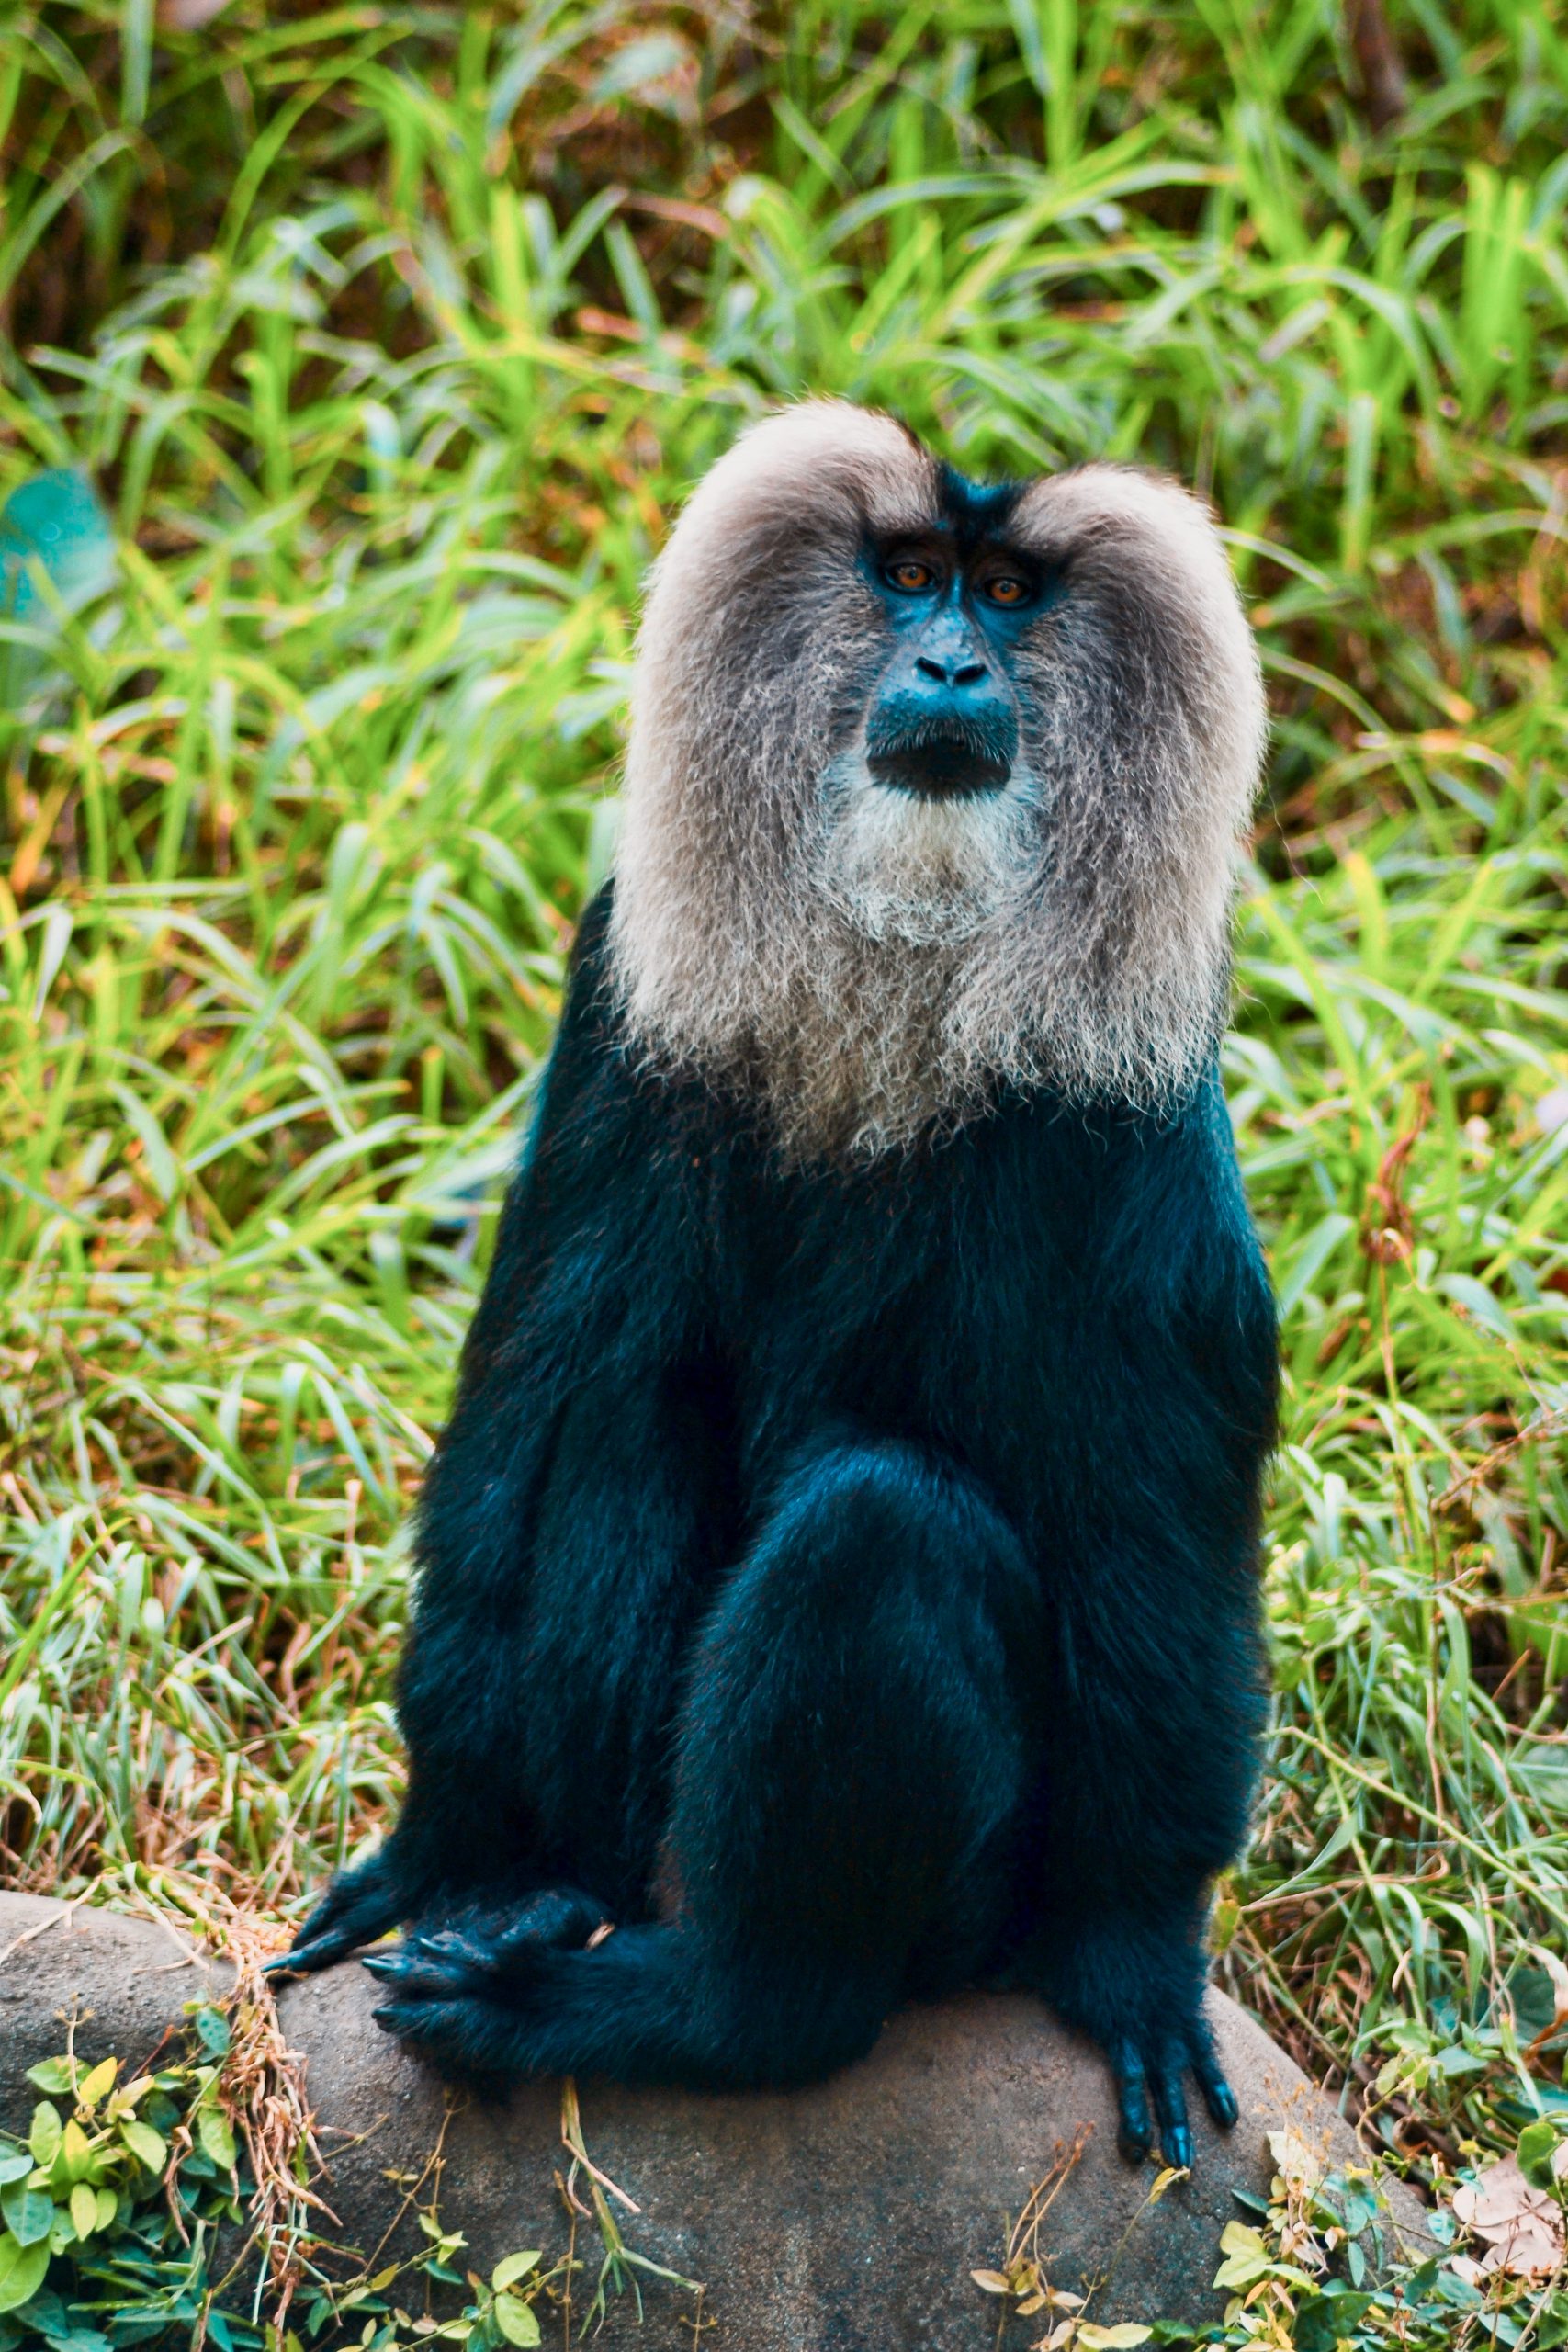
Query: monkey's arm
[570, 1478]
[1158, 1686]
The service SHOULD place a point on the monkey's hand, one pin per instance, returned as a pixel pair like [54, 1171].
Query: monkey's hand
[360, 1904]
[1141, 1996]
[478, 1949]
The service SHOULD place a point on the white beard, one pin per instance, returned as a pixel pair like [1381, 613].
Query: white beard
[929, 873]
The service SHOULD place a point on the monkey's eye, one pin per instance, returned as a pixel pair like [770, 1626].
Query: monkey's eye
[1007, 590]
[909, 576]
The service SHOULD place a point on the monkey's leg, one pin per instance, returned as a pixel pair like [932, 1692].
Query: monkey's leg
[1152, 1748]
[851, 1758]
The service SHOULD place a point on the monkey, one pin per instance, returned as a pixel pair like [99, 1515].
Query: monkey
[838, 1581]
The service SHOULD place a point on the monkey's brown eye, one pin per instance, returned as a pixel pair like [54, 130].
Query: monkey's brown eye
[1005, 590]
[909, 576]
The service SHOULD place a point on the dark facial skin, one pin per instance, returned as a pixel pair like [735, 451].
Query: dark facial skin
[943, 720]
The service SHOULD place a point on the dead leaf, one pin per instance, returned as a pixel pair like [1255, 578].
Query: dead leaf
[1521, 2227]
[992, 2281]
[1111, 2339]
[1300, 2165]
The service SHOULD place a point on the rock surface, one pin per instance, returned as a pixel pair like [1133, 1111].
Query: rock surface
[842, 2219]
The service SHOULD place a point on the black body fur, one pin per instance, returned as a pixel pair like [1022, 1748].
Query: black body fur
[841, 1579]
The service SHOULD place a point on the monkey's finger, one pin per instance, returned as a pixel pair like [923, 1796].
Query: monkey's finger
[312, 1952]
[1170, 2107]
[410, 1979]
[1135, 2134]
[418, 1973]
[454, 1948]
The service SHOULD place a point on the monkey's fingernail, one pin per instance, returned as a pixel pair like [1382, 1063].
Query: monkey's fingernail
[605, 1927]
[381, 1963]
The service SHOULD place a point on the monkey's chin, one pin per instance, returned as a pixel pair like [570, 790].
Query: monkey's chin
[928, 873]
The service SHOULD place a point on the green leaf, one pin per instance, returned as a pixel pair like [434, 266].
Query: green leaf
[76, 2152]
[145, 2145]
[96, 2085]
[83, 2210]
[29, 2212]
[130, 2095]
[1322, 2322]
[515, 2321]
[46, 2134]
[22, 2270]
[1537, 2146]
[15, 2165]
[213, 2028]
[515, 2266]
[51, 2075]
[217, 2136]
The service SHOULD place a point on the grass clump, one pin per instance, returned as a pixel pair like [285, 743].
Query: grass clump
[391, 336]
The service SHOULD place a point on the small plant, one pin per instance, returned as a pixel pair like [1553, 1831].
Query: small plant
[113, 2202]
[1319, 2269]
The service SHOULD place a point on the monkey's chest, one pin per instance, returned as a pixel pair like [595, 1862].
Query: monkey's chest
[947, 1302]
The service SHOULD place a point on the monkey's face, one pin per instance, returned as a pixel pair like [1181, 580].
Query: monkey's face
[983, 750]
[931, 809]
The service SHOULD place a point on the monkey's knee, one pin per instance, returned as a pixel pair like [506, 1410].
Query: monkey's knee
[893, 1529]
[853, 1746]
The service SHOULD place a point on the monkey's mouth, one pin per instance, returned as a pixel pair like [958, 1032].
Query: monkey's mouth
[953, 761]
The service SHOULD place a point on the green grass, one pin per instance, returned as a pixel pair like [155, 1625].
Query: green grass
[394, 335]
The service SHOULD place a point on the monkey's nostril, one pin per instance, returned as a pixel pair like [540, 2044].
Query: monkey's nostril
[929, 668]
[970, 674]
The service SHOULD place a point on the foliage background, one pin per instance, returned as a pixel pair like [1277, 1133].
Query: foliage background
[391, 335]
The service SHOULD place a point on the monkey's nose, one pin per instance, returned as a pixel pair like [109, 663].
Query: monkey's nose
[955, 671]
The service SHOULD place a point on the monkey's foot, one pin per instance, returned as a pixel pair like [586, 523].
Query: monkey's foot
[480, 1952]
[1153, 2071]
[1139, 1994]
[470, 2036]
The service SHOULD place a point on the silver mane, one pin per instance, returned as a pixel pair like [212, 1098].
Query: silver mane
[876, 967]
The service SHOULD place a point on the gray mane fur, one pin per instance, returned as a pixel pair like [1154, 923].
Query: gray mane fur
[875, 967]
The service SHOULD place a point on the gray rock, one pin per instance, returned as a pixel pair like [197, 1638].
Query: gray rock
[842, 2219]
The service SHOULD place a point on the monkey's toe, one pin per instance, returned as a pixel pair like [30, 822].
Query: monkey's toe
[469, 2037]
[477, 1948]
[1218, 2095]
[560, 1917]
[1134, 2131]
[1153, 2077]
[428, 1967]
